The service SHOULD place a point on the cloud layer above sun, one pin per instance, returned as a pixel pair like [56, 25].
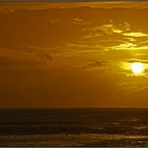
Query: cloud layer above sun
[73, 54]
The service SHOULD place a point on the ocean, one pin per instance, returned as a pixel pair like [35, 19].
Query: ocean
[74, 127]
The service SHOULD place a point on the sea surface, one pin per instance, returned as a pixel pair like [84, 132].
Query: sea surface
[74, 127]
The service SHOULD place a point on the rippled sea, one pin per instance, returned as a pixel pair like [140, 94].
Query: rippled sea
[74, 127]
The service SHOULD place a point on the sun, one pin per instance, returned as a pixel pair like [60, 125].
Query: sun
[137, 67]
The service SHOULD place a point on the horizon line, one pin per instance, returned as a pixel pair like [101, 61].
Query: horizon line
[139, 1]
[104, 107]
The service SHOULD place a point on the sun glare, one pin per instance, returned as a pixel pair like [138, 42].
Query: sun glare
[137, 68]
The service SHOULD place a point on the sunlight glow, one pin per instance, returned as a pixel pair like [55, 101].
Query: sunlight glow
[137, 68]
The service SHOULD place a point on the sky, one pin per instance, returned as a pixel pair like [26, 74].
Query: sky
[73, 54]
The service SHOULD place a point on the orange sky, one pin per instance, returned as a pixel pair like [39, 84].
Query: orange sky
[73, 54]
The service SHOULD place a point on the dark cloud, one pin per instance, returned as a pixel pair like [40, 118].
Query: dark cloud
[96, 64]
[19, 60]
[138, 60]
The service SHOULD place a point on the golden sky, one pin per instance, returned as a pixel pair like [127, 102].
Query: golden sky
[74, 54]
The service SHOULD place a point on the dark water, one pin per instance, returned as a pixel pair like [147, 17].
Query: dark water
[74, 127]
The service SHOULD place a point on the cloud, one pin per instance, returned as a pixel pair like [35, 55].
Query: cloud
[95, 64]
[54, 21]
[105, 66]
[123, 38]
[10, 7]
[135, 34]
[7, 10]
[137, 60]
[124, 46]
[129, 46]
[119, 67]
[133, 86]
[79, 21]
[111, 28]
[25, 59]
